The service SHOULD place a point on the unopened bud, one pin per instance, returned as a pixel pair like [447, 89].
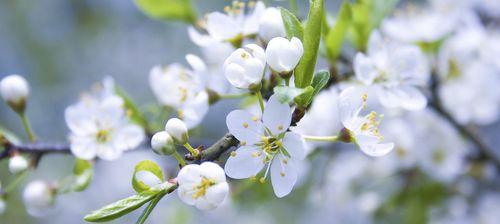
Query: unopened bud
[14, 90]
[18, 164]
[177, 129]
[162, 143]
[38, 198]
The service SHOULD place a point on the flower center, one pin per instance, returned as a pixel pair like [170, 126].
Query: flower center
[270, 145]
[201, 189]
[103, 136]
[371, 124]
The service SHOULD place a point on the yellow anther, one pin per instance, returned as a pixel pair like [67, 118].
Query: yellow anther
[245, 125]
[233, 153]
[201, 189]
[284, 161]
[180, 113]
[282, 174]
[262, 180]
[255, 119]
[243, 143]
[244, 55]
[255, 154]
[253, 178]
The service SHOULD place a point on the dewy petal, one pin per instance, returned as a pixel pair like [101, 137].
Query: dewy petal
[377, 150]
[295, 145]
[365, 69]
[83, 147]
[221, 26]
[277, 116]
[283, 175]
[246, 163]
[245, 126]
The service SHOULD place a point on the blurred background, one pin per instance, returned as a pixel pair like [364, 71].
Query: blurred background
[62, 47]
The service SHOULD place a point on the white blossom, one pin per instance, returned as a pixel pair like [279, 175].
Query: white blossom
[234, 23]
[178, 130]
[283, 55]
[14, 90]
[100, 127]
[162, 143]
[395, 71]
[182, 89]
[203, 186]
[266, 144]
[362, 129]
[244, 68]
[3, 206]
[271, 24]
[38, 197]
[17, 164]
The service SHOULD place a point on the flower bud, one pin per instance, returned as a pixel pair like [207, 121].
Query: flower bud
[38, 197]
[244, 68]
[282, 55]
[177, 129]
[271, 24]
[162, 143]
[17, 164]
[14, 90]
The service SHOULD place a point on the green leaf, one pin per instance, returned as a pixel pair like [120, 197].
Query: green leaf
[337, 34]
[132, 110]
[148, 166]
[287, 94]
[305, 98]
[121, 207]
[361, 24]
[293, 27]
[83, 172]
[320, 80]
[181, 10]
[312, 36]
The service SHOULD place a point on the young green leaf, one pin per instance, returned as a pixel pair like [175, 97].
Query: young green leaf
[293, 27]
[83, 172]
[181, 10]
[146, 166]
[304, 99]
[286, 94]
[320, 80]
[336, 35]
[121, 207]
[312, 36]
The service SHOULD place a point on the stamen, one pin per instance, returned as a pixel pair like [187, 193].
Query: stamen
[245, 125]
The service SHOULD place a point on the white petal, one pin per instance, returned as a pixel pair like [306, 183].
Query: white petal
[254, 70]
[108, 152]
[277, 116]
[204, 204]
[189, 174]
[195, 110]
[245, 163]
[377, 150]
[295, 145]
[79, 119]
[221, 26]
[147, 178]
[128, 137]
[365, 69]
[83, 147]
[213, 171]
[412, 98]
[196, 63]
[350, 105]
[217, 193]
[235, 74]
[245, 126]
[185, 193]
[283, 176]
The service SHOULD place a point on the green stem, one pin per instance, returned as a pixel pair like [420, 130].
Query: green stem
[261, 100]
[332, 138]
[149, 209]
[27, 127]
[192, 150]
[233, 96]
[16, 182]
[179, 158]
[287, 82]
